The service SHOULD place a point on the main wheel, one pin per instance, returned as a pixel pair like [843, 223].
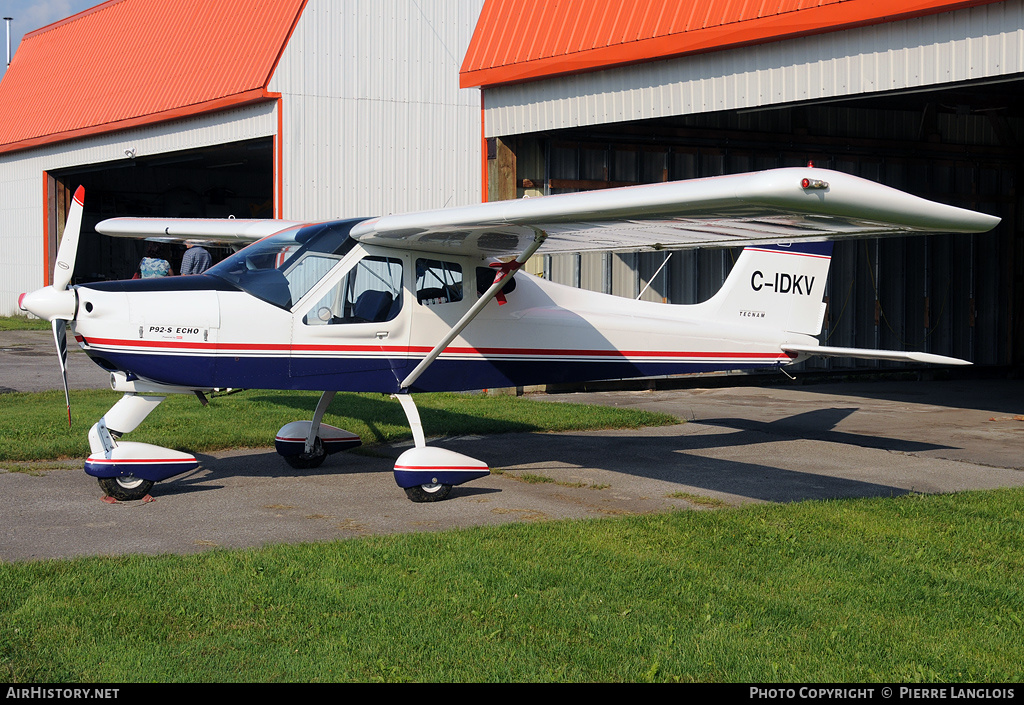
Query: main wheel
[428, 493]
[308, 461]
[126, 488]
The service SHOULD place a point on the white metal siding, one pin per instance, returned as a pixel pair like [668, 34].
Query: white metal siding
[22, 265]
[374, 121]
[985, 42]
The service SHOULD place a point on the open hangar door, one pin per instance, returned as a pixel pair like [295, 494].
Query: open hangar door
[234, 179]
[958, 295]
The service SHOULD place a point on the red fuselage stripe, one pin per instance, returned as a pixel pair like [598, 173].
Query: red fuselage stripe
[441, 467]
[325, 440]
[141, 460]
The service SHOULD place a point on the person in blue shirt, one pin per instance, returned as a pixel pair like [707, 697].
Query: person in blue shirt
[155, 263]
[196, 259]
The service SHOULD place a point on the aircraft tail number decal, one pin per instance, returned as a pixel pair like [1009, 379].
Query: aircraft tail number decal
[782, 283]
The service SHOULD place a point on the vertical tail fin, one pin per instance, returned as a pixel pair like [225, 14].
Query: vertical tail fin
[776, 286]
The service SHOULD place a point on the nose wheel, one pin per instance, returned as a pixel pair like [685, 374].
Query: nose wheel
[126, 488]
[428, 493]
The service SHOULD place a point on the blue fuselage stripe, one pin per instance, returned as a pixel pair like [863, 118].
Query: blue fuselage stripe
[385, 374]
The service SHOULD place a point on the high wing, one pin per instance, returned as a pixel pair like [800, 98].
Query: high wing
[780, 205]
[207, 231]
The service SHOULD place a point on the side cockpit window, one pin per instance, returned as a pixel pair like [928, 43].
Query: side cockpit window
[438, 282]
[370, 293]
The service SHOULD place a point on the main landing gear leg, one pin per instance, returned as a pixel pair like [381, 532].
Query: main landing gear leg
[318, 415]
[305, 445]
[127, 470]
[428, 474]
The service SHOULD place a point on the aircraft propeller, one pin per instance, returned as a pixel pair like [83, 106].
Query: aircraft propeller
[56, 303]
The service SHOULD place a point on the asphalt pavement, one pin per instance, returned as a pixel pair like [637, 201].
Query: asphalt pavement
[28, 363]
[737, 445]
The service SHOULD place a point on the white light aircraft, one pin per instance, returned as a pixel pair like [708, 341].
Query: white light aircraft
[427, 302]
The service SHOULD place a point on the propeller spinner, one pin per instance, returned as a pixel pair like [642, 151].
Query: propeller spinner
[56, 303]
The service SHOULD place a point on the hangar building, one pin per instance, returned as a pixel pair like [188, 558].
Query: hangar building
[297, 109]
[922, 95]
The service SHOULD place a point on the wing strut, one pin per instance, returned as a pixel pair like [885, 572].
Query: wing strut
[499, 281]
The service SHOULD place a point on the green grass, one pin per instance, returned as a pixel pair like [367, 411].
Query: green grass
[34, 426]
[917, 588]
[700, 500]
[23, 323]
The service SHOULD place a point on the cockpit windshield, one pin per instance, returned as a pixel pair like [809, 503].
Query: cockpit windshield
[280, 269]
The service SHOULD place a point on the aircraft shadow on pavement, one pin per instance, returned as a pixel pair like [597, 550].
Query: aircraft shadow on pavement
[819, 425]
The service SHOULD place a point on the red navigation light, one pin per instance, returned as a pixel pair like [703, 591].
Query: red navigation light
[813, 183]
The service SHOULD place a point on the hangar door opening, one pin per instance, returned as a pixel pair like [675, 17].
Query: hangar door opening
[226, 180]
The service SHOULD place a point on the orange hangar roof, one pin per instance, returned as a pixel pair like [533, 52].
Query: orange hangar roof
[518, 41]
[126, 63]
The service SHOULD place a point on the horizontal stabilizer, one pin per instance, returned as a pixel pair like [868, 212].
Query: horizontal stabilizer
[860, 354]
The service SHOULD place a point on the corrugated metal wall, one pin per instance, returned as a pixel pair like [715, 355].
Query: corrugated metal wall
[970, 44]
[374, 120]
